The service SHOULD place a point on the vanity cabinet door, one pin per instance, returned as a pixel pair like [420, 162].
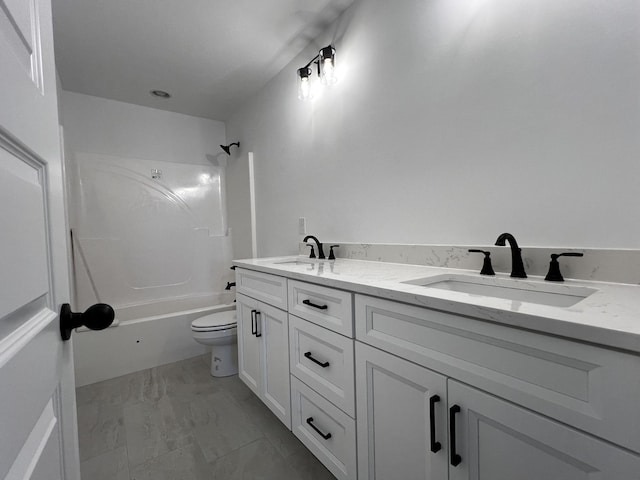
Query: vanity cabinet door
[497, 440]
[263, 354]
[274, 333]
[396, 401]
[248, 343]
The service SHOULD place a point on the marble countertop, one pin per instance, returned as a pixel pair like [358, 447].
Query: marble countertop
[610, 316]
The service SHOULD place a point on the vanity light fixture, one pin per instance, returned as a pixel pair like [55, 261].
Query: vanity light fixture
[326, 62]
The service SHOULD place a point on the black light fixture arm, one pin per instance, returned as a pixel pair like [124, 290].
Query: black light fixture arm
[315, 59]
[329, 49]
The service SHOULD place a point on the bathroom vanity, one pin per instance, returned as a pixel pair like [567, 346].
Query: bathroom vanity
[393, 371]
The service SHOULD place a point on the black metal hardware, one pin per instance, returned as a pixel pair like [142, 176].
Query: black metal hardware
[253, 322]
[331, 254]
[227, 148]
[554, 274]
[319, 307]
[233, 267]
[435, 446]
[258, 334]
[326, 436]
[313, 252]
[320, 251]
[326, 52]
[229, 285]
[96, 317]
[517, 267]
[322, 364]
[455, 457]
[487, 268]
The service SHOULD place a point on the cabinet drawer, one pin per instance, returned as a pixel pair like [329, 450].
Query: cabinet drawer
[334, 441]
[583, 385]
[324, 361]
[327, 307]
[268, 288]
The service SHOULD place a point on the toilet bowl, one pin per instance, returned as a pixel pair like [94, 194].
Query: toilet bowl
[218, 330]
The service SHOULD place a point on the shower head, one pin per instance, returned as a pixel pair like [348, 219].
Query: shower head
[227, 148]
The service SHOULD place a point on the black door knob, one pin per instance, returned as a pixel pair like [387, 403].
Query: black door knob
[96, 317]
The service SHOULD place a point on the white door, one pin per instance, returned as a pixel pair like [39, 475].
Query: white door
[38, 432]
[401, 418]
[497, 440]
[248, 343]
[274, 333]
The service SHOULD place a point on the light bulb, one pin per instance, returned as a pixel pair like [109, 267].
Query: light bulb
[304, 84]
[327, 66]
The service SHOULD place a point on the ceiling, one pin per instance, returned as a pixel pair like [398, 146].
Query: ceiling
[209, 54]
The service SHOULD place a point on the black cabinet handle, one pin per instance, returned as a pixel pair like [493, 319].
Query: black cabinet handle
[253, 322]
[326, 436]
[455, 457]
[323, 365]
[435, 446]
[319, 307]
[258, 334]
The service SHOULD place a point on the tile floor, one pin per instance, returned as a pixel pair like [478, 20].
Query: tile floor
[176, 422]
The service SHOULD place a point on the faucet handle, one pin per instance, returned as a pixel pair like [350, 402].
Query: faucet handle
[313, 252]
[554, 274]
[331, 254]
[487, 268]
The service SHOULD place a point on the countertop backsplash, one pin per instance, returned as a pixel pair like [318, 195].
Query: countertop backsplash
[602, 265]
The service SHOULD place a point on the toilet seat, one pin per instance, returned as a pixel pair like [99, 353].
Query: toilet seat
[215, 322]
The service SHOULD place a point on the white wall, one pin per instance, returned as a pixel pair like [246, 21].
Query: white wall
[98, 125]
[454, 120]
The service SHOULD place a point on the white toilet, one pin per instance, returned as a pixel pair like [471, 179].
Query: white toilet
[219, 331]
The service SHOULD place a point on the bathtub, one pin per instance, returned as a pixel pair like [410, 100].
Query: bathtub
[143, 336]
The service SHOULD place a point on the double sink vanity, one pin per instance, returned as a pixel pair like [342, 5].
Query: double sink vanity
[397, 371]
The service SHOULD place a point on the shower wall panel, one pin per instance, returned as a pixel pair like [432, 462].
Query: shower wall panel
[147, 230]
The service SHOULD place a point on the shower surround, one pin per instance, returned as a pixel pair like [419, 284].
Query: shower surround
[148, 236]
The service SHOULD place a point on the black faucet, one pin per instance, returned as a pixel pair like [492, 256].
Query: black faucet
[517, 267]
[320, 251]
[229, 285]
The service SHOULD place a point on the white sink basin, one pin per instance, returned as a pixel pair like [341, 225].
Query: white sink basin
[555, 295]
[299, 262]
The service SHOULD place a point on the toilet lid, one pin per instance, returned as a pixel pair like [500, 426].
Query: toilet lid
[215, 321]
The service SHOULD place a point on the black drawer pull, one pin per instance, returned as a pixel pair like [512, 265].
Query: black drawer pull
[258, 333]
[435, 446]
[455, 457]
[323, 365]
[253, 322]
[319, 307]
[326, 436]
